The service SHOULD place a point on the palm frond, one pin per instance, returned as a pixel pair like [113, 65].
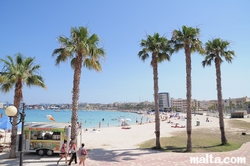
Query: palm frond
[217, 49]
[20, 70]
[155, 44]
[187, 36]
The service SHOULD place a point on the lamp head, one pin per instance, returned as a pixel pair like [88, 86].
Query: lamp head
[11, 111]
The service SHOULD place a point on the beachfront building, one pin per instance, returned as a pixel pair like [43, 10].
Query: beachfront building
[234, 104]
[177, 104]
[229, 105]
[181, 105]
[164, 101]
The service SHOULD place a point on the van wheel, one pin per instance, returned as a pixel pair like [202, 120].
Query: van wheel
[40, 152]
[49, 152]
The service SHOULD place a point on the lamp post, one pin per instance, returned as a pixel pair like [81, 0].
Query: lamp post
[11, 111]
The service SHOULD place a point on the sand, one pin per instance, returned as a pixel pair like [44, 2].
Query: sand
[118, 138]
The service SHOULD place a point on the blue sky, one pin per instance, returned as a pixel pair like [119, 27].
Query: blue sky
[32, 27]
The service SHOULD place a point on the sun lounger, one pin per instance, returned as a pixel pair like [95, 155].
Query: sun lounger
[126, 127]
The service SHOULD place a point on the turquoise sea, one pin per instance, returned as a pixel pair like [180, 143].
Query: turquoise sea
[89, 119]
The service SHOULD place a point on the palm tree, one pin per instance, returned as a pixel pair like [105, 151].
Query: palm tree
[160, 48]
[194, 109]
[17, 72]
[188, 39]
[216, 50]
[83, 50]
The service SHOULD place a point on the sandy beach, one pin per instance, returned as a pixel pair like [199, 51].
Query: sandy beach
[118, 138]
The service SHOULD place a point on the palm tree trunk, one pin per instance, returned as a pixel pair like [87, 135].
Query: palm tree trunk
[157, 120]
[17, 100]
[75, 96]
[189, 87]
[219, 96]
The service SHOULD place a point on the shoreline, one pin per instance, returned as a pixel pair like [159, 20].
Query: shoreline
[89, 119]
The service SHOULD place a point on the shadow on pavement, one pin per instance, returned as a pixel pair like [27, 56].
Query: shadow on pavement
[117, 154]
[28, 158]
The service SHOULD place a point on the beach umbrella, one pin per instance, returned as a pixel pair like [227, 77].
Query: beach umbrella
[121, 120]
[49, 117]
[5, 123]
[128, 119]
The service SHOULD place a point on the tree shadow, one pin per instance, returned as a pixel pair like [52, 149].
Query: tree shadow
[99, 155]
[96, 155]
[175, 149]
[182, 149]
[28, 158]
[117, 155]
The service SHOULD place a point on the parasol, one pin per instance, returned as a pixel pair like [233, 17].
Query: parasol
[49, 117]
[121, 120]
[128, 119]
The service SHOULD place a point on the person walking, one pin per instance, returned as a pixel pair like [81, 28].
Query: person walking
[73, 150]
[63, 152]
[83, 154]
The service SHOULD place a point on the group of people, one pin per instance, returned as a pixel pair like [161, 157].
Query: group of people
[81, 153]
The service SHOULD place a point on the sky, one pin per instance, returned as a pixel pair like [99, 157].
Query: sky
[32, 28]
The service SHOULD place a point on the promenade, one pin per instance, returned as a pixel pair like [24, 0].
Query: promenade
[133, 157]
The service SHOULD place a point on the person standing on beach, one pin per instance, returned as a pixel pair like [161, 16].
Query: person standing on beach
[63, 152]
[83, 154]
[73, 151]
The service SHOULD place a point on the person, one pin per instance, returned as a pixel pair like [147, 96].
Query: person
[73, 150]
[83, 154]
[63, 152]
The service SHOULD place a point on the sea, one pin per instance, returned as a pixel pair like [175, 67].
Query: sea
[88, 118]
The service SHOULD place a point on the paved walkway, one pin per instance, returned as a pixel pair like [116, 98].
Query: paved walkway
[135, 157]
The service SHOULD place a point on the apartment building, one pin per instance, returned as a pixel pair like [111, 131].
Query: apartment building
[178, 104]
[164, 101]
[205, 105]
[181, 104]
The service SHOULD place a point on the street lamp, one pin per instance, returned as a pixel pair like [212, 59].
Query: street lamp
[11, 111]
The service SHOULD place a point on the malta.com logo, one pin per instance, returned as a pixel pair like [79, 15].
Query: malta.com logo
[210, 159]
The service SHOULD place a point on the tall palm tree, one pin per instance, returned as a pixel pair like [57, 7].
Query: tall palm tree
[17, 72]
[188, 39]
[83, 50]
[215, 51]
[160, 49]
